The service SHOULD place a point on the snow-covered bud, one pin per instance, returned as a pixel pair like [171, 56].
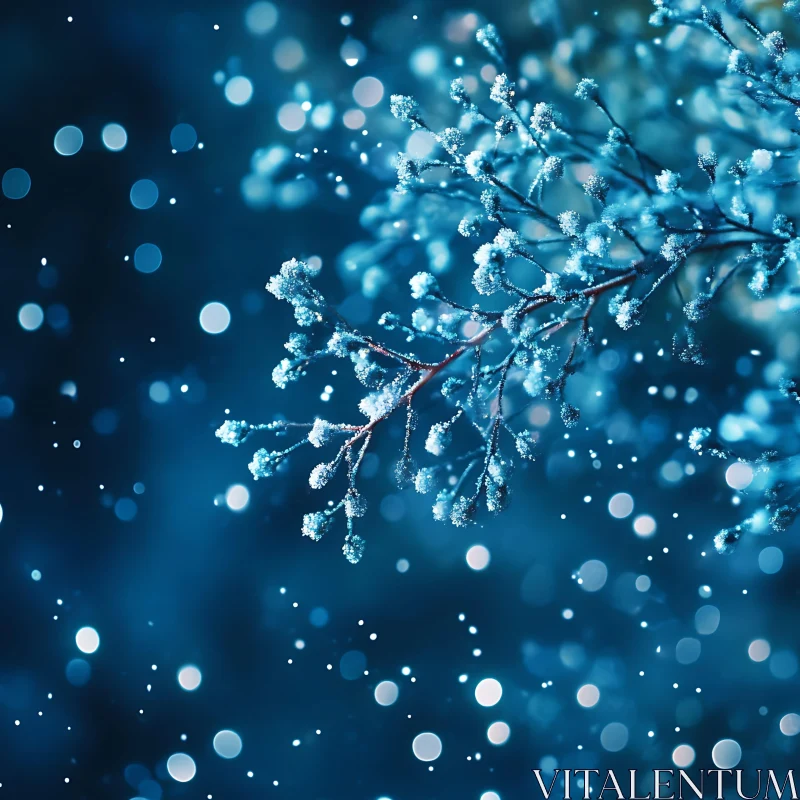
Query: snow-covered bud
[503, 127]
[442, 506]
[353, 548]
[708, 163]
[354, 504]
[526, 445]
[782, 226]
[698, 308]
[668, 182]
[458, 92]
[264, 463]
[489, 275]
[726, 540]
[739, 63]
[490, 39]
[629, 313]
[775, 45]
[285, 372]
[570, 415]
[342, 342]
[463, 512]
[478, 165]
[783, 517]
[316, 525]
[452, 139]
[439, 437]
[469, 227]
[552, 169]
[503, 90]
[697, 438]
[297, 345]
[543, 118]
[490, 200]
[423, 285]
[321, 474]
[424, 480]
[406, 109]
[676, 247]
[570, 223]
[233, 432]
[321, 432]
[587, 89]
[596, 187]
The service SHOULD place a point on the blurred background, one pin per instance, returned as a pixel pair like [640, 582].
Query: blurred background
[174, 154]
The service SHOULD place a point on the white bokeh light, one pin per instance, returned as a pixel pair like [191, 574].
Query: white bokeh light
[87, 639]
[368, 92]
[189, 677]
[289, 54]
[790, 724]
[291, 117]
[706, 620]
[683, 756]
[478, 557]
[427, 746]
[614, 737]
[215, 318]
[144, 194]
[386, 693]
[68, 140]
[114, 137]
[620, 505]
[739, 476]
[644, 525]
[227, 744]
[770, 560]
[726, 754]
[759, 650]
[498, 733]
[239, 90]
[260, 18]
[237, 497]
[31, 316]
[181, 767]
[588, 695]
[593, 575]
[488, 692]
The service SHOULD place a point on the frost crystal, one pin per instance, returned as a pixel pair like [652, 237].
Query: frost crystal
[321, 432]
[502, 90]
[490, 39]
[596, 187]
[423, 284]
[697, 437]
[570, 223]
[667, 182]
[316, 525]
[406, 109]
[233, 432]
[264, 463]
[439, 437]
[587, 89]
[478, 165]
[629, 313]
[353, 548]
[544, 118]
